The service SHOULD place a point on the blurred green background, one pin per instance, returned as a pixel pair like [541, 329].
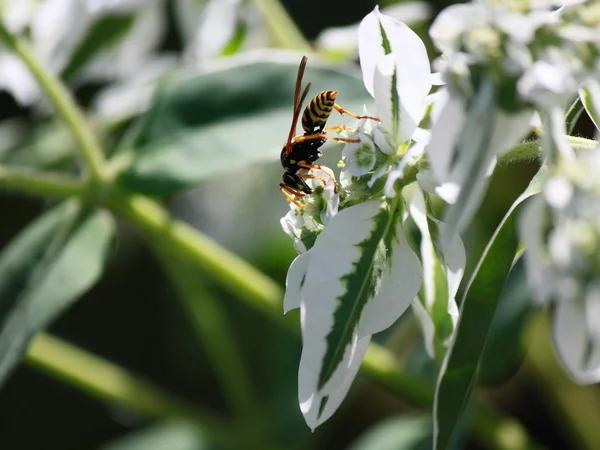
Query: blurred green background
[131, 317]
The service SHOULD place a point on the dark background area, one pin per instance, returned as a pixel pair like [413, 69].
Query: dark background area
[130, 318]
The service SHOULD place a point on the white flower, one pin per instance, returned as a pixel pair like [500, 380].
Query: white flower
[57, 29]
[561, 231]
[498, 70]
[396, 72]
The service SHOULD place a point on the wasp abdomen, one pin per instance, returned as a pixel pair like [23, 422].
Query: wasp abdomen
[318, 111]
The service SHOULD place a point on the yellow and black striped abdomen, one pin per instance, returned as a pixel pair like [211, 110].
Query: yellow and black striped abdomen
[318, 111]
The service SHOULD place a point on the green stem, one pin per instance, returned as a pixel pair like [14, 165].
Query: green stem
[234, 274]
[576, 409]
[495, 432]
[283, 29]
[61, 98]
[40, 184]
[216, 336]
[114, 385]
[261, 293]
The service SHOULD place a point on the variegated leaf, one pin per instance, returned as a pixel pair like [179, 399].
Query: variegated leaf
[360, 277]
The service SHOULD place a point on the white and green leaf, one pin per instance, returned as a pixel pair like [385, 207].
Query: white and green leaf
[443, 268]
[590, 98]
[396, 72]
[478, 307]
[463, 150]
[357, 279]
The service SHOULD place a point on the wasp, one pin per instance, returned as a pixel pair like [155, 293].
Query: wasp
[300, 152]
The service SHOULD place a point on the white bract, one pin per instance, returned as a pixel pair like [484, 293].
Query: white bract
[357, 280]
[561, 230]
[57, 29]
[498, 71]
[443, 269]
[357, 274]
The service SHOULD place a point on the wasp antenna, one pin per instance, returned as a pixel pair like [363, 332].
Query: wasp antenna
[301, 69]
[298, 100]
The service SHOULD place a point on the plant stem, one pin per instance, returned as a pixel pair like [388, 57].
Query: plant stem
[114, 385]
[283, 29]
[234, 274]
[40, 184]
[262, 294]
[218, 340]
[61, 98]
[576, 409]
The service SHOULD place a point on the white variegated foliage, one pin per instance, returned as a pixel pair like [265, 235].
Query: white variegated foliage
[443, 269]
[318, 283]
[359, 274]
[561, 231]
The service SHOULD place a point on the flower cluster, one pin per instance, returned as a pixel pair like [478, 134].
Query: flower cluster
[561, 230]
[502, 62]
[357, 271]
[508, 69]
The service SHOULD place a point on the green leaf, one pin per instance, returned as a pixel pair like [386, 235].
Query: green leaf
[503, 352]
[49, 146]
[406, 432]
[44, 270]
[104, 33]
[357, 280]
[237, 117]
[590, 98]
[161, 436]
[573, 114]
[478, 307]
[443, 268]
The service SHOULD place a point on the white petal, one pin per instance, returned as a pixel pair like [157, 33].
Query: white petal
[359, 157]
[218, 25]
[449, 117]
[455, 261]
[427, 326]
[447, 28]
[399, 286]
[592, 310]
[579, 354]
[16, 78]
[310, 402]
[531, 226]
[488, 132]
[410, 53]
[57, 29]
[294, 281]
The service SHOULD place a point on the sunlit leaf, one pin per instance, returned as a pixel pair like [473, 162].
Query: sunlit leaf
[406, 432]
[102, 34]
[203, 125]
[590, 98]
[361, 276]
[478, 307]
[503, 352]
[161, 436]
[48, 266]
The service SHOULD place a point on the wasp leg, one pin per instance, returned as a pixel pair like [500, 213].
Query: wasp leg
[305, 175]
[343, 111]
[287, 191]
[312, 137]
[338, 127]
[312, 167]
